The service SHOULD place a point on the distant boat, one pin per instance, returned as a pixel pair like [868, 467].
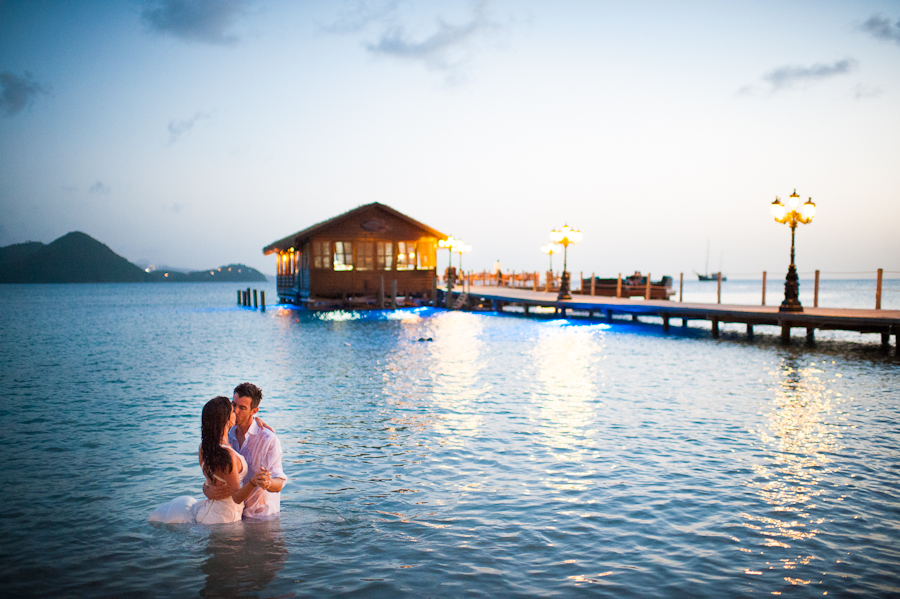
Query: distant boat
[709, 276]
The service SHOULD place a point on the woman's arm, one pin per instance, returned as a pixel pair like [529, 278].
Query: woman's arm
[261, 424]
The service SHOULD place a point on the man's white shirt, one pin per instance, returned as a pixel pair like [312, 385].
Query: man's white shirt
[261, 449]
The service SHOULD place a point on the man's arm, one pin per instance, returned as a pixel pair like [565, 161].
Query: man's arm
[275, 474]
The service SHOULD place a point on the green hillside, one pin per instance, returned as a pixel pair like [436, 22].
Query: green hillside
[235, 273]
[73, 258]
[19, 251]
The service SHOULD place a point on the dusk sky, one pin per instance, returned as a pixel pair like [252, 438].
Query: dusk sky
[192, 133]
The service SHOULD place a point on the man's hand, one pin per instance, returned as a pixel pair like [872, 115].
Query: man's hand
[261, 479]
[261, 424]
[216, 491]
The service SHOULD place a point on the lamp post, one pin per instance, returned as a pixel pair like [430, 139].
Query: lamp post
[792, 214]
[450, 243]
[565, 237]
[550, 249]
[462, 248]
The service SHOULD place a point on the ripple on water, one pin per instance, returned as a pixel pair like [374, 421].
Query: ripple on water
[505, 457]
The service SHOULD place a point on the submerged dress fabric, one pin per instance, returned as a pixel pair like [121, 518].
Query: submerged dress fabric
[187, 510]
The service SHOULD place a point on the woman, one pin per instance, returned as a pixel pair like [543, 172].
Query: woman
[219, 462]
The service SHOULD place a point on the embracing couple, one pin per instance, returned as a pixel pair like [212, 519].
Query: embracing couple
[241, 459]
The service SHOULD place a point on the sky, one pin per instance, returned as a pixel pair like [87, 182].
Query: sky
[191, 133]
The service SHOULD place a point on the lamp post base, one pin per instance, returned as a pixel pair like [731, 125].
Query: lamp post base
[790, 306]
[791, 301]
[564, 287]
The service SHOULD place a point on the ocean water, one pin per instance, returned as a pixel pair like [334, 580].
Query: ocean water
[503, 457]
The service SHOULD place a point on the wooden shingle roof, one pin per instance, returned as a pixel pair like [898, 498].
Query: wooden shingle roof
[301, 236]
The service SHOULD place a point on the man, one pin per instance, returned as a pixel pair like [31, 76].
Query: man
[261, 449]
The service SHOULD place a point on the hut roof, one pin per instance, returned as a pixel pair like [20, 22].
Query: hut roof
[300, 236]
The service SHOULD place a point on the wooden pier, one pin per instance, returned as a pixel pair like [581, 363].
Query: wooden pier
[884, 322]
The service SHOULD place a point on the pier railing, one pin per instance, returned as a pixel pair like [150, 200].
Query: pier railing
[549, 282]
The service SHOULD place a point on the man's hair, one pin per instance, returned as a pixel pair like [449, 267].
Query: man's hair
[249, 390]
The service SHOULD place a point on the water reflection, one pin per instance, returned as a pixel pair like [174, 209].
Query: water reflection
[455, 363]
[566, 362]
[798, 440]
[243, 558]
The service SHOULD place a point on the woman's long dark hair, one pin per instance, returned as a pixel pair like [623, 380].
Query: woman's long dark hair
[215, 417]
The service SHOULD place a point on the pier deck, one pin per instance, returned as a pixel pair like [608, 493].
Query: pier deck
[885, 322]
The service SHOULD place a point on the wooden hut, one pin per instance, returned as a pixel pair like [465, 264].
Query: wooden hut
[356, 259]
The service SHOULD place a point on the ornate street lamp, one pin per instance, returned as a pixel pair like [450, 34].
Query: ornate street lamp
[791, 215]
[450, 243]
[462, 248]
[550, 249]
[565, 237]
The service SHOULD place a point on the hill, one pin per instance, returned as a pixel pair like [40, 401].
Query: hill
[230, 273]
[19, 251]
[73, 258]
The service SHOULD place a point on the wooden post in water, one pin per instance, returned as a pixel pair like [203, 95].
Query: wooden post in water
[248, 297]
[434, 286]
[525, 307]
[381, 292]
[816, 292]
[393, 294]
[719, 289]
[593, 283]
[878, 289]
[681, 287]
[647, 288]
[239, 297]
[665, 318]
[715, 328]
[619, 287]
[786, 333]
[262, 300]
[255, 299]
[764, 289]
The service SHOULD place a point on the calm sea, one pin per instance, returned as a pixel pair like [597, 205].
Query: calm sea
[444, 454]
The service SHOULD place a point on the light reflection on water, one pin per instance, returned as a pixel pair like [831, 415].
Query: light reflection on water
[801, 433]
[502, 457]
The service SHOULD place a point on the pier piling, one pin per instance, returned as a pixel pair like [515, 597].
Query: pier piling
[715, 328]
[816, 292]
[878, 289]
[394, 294]
[255, 299]
[262, 300]
[719, 288]
[239, 297]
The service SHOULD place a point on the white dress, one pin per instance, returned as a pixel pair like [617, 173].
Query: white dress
[187, 510]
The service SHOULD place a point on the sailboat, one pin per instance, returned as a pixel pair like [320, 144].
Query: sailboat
[708, 276]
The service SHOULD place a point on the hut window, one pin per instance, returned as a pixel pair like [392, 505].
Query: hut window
[365, 255]
[406, 255]
[343, 255]
[427, 255]
[321, 254]
[384, 254]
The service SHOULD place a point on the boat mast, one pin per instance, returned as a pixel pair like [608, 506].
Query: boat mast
[706, 270]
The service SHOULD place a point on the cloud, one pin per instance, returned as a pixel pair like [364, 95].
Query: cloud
[788, 77]
[446, 48]
[179, 128]
[18, 92]
[358, 15]
[882, 28]
[99, 188]
[205, 21]
[864, 91]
